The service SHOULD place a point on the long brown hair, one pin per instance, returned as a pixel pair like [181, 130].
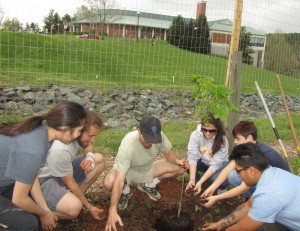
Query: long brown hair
[219, 138]
[66, 113]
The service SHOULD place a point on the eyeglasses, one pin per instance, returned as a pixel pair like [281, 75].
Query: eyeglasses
[204, 130]
[239, 170]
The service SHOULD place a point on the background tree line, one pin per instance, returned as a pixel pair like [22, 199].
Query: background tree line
[192, 35]
[96, 12]
[283, 54]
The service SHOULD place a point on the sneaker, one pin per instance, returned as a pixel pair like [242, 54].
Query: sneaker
[123, 202]
[220, 191]
[151, 192]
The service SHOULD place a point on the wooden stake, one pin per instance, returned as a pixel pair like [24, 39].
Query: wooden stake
[273, 125]
[289, 116]
[235, 37]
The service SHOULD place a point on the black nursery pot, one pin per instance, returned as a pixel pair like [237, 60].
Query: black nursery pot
[170, 221]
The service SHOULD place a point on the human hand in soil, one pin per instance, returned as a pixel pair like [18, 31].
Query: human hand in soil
[208, 192]
[209, 201]
[212, 226]
[97, 213]
[190, 186]
[197, 188]
[113, 218]
[48, 220]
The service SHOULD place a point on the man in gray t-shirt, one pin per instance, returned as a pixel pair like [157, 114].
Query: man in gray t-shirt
[65, 177]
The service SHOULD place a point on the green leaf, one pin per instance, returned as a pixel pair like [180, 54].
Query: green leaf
[211, 97]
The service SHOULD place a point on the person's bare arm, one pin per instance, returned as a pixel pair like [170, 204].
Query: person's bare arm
[172, 158]
[237, 215]
[220, 179]
[203, 179]
[242, 188]
[192, 180]
[37, 195]
[246, 224]
[22, 199]
[113, 216]
[71, 184]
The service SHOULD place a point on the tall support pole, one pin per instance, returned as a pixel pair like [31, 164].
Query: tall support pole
[235, 83]
[273, 125]
[289, 116]
[235, 37]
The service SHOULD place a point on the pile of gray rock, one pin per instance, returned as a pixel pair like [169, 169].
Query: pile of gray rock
[123, 108]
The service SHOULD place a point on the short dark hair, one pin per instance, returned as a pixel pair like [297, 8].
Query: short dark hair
[249, 154]
[245, 128]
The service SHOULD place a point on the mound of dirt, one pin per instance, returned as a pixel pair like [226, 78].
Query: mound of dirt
[142, 213]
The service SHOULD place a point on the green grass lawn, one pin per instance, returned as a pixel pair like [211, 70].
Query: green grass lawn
[37, 59]
[109, 140]
[178, 133]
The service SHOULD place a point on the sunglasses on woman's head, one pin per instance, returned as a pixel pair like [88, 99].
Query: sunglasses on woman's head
[204, 130]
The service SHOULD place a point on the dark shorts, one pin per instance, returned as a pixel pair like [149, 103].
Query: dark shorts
[54, 189]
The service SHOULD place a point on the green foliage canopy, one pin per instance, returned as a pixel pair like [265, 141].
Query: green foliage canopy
[212, 97]
[12, 24]
[192, 35]
[283, 54]
[244, 46]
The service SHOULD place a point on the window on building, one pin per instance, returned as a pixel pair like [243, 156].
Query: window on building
[257, 42]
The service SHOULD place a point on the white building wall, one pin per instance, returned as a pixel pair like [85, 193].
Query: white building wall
[220, 49]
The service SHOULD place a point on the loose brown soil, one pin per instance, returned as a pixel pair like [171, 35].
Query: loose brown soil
[142, 213]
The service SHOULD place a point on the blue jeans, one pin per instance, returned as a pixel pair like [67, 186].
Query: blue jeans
[201, 167]
[235, 180]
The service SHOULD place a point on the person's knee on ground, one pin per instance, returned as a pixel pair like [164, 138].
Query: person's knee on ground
[93, 175]
[99, 161]
[109, 179]
[69, 206]
[164, 169]
[99, 165]
[180, 171]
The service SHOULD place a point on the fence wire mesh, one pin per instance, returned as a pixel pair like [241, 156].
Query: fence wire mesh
[153, 44]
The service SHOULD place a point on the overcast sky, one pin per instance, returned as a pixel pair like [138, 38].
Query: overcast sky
[264, 15]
